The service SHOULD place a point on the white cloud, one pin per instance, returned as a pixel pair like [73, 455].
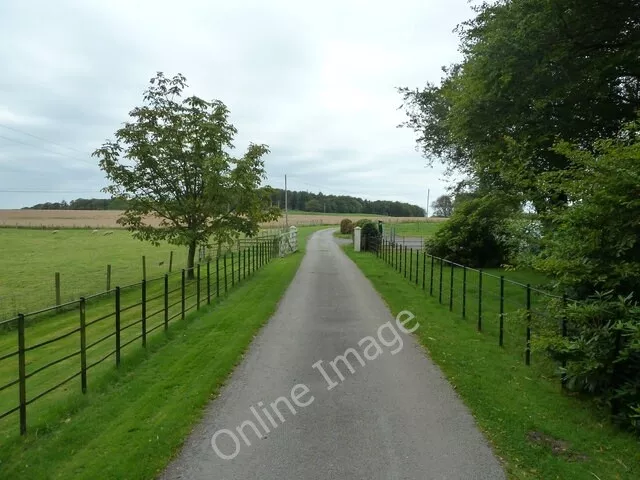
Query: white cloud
[316, 82]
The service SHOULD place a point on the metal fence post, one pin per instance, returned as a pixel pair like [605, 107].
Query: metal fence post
[501, 340]
[440, 283]
[208, 282]
[528, 347]
[464, 292]
[22, 374]
[182, 294]
[451, 289]
[424, 269]
[224, 263]
[410, 266]
[217, 277]
[431, 281]
[480, 300]
[198, 287]
[108, 278]
[233, 274]
[83, 345]
[117, 326]
[417, 264]
[166, 302]
[404, 262]
[144, 313]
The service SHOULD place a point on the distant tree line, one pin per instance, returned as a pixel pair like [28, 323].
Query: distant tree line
[303, 201]
[319, 202]
[82, 204]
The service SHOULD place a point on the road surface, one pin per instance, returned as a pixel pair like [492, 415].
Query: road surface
[396, 417]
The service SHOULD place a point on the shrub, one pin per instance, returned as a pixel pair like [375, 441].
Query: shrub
[346, 226]
[362, 222]
[370, 230]
[476, 233]
[601, 351]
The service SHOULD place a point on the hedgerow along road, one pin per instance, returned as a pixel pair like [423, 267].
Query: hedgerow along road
[294, 409]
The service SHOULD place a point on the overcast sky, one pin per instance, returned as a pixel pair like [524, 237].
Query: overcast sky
[314, 81]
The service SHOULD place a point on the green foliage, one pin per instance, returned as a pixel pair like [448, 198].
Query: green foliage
[370, 230]
[171, 162]
[602, 351]
[319, 202]
[475, 235]
[594, 244]
[346, 226]
[532, 71]
[370, 235]
[362, 222]
[443, 206]
[83, 204]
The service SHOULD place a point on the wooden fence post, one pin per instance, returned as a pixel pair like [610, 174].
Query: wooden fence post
[57, 286]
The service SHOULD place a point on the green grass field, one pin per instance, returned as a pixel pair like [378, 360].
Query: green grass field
[514, 404]
[140, 413]
[30, 258]
[424, 229]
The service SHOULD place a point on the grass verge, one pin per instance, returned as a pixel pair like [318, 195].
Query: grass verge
[133, 420]
[538, 431]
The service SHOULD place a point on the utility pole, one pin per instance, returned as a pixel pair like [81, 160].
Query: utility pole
[428, 193]
[286, 204]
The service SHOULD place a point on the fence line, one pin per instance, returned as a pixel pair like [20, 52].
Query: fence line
[486, 298]
[123, 315]
[62, 287]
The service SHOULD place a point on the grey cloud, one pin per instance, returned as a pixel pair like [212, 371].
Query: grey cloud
[314, 82]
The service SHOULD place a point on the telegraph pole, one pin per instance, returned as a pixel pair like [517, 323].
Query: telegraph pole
[286, 204]
[428, 192]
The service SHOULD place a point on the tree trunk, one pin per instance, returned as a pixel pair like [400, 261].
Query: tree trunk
[191, 260]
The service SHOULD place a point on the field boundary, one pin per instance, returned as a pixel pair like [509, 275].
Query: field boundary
[166, 298]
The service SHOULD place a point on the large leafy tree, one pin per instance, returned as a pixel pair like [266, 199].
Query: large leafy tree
[533, 72]
[172, 165]
[595, 242]
[443, 206]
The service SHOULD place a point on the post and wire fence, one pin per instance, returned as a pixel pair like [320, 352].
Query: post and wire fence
[497, 306]
[43, 351]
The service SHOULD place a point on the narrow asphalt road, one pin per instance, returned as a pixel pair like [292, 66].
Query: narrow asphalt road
[396, 417]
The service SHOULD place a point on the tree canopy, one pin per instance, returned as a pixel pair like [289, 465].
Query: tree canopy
[533, 72]
[171, 163]
[442, 206]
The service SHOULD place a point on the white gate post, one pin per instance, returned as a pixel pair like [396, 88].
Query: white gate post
[357, 234]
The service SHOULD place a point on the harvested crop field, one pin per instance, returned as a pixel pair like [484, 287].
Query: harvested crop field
[108, 218]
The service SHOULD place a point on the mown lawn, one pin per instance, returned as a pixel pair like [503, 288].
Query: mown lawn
[521, 409]
[133, 419]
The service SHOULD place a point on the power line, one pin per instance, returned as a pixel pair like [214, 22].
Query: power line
[41, 138]
[51, 191]
[47, 150]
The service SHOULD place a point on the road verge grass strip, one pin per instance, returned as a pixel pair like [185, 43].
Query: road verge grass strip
[134, 420]
[537, 430]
